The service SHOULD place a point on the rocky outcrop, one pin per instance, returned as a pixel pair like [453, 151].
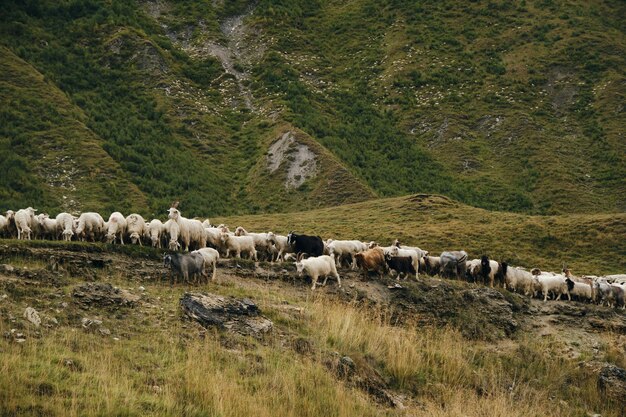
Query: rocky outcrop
[240, 316]
[103, 295]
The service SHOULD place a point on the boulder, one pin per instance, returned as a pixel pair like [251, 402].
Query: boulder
[226, 313]
[612, 382]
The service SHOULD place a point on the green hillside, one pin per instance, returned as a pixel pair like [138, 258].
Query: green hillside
[500, 105]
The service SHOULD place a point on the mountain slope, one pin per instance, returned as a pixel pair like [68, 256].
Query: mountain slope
[501, 106]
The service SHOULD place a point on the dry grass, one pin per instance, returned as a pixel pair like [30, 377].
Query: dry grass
[590, 244]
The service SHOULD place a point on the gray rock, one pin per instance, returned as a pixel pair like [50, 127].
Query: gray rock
[31, 315]
[7, 268]
[227, 313]
[612, 382]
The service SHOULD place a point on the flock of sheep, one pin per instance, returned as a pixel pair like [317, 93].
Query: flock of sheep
[314, 257]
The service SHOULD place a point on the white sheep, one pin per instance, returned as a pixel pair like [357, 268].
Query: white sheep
[197, 234]
[552, 283]
[281, 244]
[518, 280]
[260, 240]
[316, 267]
[206, 223]
[25, 221]
[90, 226]
[47, 226]
[341, 249]
[135, 228]
[213, 237]
[239, 244]
[65, 226]
[153, 232]
[210, 256]
[116, 227]
[172, 231]
[183, 226]
[4, 226]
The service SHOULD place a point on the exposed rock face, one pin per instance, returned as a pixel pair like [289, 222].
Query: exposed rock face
[31, 315]
[301, 160]
[227, 313]
[103, 295]
[612, 382]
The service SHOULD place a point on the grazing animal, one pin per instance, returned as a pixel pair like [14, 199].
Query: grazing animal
[116, 228]
[518, 279]
[260, 241]
[172, 231]
[372, 260]
[210, 257]
[431, 264]
[25, 222]
[309, 245]
[184, 264]
[453, 264]
[411, 253]
[239, 244]
[316, 267]
[282, 245]
[400, 264]
[65, 226]
[135, 228]
[344, 249]
[90, 226]
[154, 231]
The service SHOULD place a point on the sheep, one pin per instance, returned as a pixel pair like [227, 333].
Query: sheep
[197, 234]
[116, 228]
[90, 226]
[11, 228]
[47, 226]
[580, 290]
[24, 221]
[411, 253]
[552, 283]
[171, 231]
[213, 237]
[616, 278]
[135, 228]
[260, 240]
[372, 260]
[317, 266]
[188, 264]
[4, 226]
[431, 264]
[483, 270]
[518, 280]
[239, 244]
[210, 256]
[65, 226]
[153, 232]
[453, 264]
[183, 226]
[206, 223]
[281, 243]
[342, 249]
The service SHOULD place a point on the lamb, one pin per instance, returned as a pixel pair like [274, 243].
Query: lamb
[24, 221]
[281, 243]
[65, 226]
[153, 232]
[135, 228]
[210, 256]
[317, 266]
[90, 226]
[116, 228]
[239, 244]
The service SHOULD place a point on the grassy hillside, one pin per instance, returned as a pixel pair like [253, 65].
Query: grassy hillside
[508, 106]
[589, 244]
